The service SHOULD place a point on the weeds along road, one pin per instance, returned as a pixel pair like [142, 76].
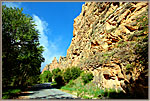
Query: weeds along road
[45, 91]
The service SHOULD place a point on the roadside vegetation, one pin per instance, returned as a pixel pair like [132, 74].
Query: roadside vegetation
[84, 88]
[62, 77]
[77, 82]
[46, 77]
[22, 53]
[9, 93]
[22, 58]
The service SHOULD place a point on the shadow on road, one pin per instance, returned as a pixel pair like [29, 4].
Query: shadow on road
[38, 87]
[56, 96]
[45, 91]
[30, 89]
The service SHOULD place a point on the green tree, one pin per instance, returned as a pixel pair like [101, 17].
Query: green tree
[59, 80]
[21, 50]
[57, 75]
[67, 75]
[71, 73]
[46, 76]
[56, 71]
[75, 72]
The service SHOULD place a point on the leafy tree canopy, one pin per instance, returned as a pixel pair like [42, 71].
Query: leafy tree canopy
[21, 50]
[46, 76]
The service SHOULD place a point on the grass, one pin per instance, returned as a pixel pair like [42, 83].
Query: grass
[88, 91]
[7, 94]
[92, 91]
[87, 97]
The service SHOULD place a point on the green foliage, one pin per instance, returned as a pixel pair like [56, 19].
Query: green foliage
[87, 91]
[56, 71]
[70, 84]
[75, 72]
[67, 75]
[87, 77]
[91, 90]
[7, 94]
[46, 76]
[57, 75]
[59, 80]
[33, 80]
[74, 85]
[129, 66]
[71, 74]
[86, 97]
[22, 53]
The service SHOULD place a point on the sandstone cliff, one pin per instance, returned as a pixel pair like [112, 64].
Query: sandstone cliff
[110, 39]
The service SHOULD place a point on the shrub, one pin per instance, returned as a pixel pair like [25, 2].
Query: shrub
[46, 77]
[56, 71]
[9, 93]
[70, 84]
[90, 89]
[59, 80]
[71, 74]
[57, 75]
[75, 72]
[87, 77]
[67, 75]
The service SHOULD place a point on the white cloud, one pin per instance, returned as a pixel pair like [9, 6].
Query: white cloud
[51, 48]
[12, 4]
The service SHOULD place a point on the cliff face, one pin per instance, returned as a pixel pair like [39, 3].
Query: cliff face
[111, 40]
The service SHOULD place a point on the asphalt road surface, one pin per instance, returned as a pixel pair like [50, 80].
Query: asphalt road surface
[45, 91]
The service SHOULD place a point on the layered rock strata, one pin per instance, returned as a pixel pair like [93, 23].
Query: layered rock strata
[110, 39]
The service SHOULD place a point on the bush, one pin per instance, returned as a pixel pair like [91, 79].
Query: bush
[9, 93]
[90, 89]
[87, 77]
[67, 75]
[33, 80]
[70, 84]
[59, 80]
[71, 74]
[75, 72]
[57, 75]
[46, 77]
[56, 71]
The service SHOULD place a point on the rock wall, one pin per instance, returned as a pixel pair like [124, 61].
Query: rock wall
[110, 39]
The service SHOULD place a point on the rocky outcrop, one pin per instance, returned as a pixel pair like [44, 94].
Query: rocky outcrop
[110, 39]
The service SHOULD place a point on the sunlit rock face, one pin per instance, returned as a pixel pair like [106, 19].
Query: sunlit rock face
[109, 39]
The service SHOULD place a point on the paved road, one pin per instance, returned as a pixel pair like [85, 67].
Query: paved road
[45, 91]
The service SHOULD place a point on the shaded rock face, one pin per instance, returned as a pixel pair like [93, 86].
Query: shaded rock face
[110, 39]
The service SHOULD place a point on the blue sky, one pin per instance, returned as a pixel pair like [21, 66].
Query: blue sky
[55, 23]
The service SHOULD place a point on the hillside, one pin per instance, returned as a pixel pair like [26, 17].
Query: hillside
[110, 39]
